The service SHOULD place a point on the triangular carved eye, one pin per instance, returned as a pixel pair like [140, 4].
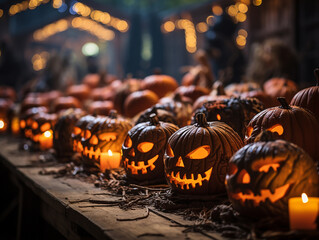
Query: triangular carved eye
[144, 147]
[128, 142]
[76, 130]
[87, 134]
[199, 153]
[277, 128]
[109, 136]
[243, 177]
[94, 140]
[169, 151]
[45, 127]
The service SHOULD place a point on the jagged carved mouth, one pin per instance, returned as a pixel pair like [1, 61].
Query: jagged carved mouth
[141, 165]
[264, 194]
[184, 181]
[77, 146]
[94, 154]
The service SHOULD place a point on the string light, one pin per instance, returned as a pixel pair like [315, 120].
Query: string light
[39, 60]
[51, 29]
[168, 26]
[100, 16]
[257, 2]
[31, 4]
[201, 27]
[217, 10]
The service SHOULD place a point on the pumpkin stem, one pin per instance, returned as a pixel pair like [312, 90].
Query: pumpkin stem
[317, 75]
[154, 119]
[200, 119]
[113, 114]
[283, 103]
[265, 136]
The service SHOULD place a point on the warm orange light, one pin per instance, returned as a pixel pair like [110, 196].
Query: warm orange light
[110, 153]
[232, 10]
[199, 153]
[47, 134]
[218, 117]
[242, 8]
[1, 124]
[243, 32]
[241, 41]
[210, 20]
[169, 26]
[1, 13]
[122, 26]
[145, 147]
[265, 168]
[257, 2]
[202, 27]
[277, 128]
[241, 17]
[304, 198]
[217, 10]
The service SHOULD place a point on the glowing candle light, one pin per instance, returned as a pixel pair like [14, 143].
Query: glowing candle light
[109, 160]
[46, 140]
[303, 212]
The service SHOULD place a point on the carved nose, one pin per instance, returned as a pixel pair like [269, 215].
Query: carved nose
[94, 140]
[132, 152]
[180, 162]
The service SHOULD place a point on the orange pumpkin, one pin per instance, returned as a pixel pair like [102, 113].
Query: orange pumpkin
[280, 87]
[160, 84]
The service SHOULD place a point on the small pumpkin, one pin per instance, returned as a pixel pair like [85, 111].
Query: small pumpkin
[80, 91]
[78, 132]
[33, 100]
[42, 131]
[139, 101]
[143, 150]
[236, 89]
[160, 84]
[263, 175]
[102, 135]
[280, 87]
[266, 100]
[192, 92]
[236, 112]
[101, 107]
[62, 139]
[291, 123]
[309, 98]
[197, 156]
[63, 103]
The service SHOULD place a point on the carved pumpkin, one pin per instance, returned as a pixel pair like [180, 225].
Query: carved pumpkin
[5, 114]
[102, 135]
[280, 87]
[139, 101]
[308, 98]
[143, 150]
[42, 131]
[62, 139]
[236, 112]
[26, 120]
[78, 132]
[263, 175]
[160, 84]
[198, 155]
[291, 123]
[177, 111]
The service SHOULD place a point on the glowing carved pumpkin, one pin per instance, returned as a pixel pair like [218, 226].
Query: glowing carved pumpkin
[235, 112]
[198, 155]
[62, 139]
[26, 120]
[78, 132]
[264, 175]
[144, 147]
[102, 135]
[42, 131]
[291, 123]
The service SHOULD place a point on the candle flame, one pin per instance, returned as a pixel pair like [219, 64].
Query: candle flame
[1, 124]
[110, 152]
[304, 198]
[47, 134]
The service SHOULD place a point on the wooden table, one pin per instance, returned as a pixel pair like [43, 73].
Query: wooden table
[58, 206]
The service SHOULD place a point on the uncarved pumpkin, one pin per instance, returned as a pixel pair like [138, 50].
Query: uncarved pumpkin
[160, 84]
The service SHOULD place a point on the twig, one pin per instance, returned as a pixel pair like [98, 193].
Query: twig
[137, 218]
[109, 194]
[78, 201]
[99, 205]
[149, 188]
[104, 201]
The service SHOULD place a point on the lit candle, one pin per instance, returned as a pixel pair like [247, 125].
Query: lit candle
[109, 160]
[303, 212]
[46, 140]
[3, 125]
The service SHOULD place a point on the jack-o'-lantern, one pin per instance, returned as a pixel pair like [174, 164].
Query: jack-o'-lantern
[143, 150]
[291, 123]
[78, 132]
[62, 139]
[263, 175]
[42, 131]
[26, 120]
[308, 98]
[197, 156]
[235, 112]
[101, 136]
[5, 114]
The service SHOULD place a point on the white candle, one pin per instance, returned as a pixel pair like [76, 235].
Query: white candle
[303, 212]
[109, 160]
